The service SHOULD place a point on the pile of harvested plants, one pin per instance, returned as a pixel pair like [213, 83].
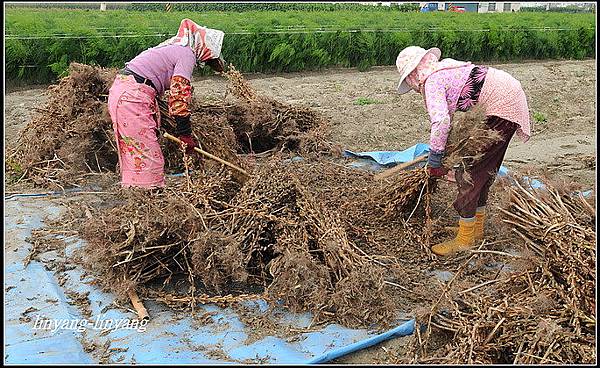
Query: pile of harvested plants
[142, 236]
[316, 235]
[72, 135]
[271, 236]
[544, 309]
[260, 124]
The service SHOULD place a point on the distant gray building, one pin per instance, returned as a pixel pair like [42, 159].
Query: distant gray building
[475, 7]
[501, 6]
[498, 7]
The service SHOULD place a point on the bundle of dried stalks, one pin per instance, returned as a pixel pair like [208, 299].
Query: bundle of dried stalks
[271, 234]
[545, 310]
[239, 86]
[72, 133]
[401, 193]
[468, 139]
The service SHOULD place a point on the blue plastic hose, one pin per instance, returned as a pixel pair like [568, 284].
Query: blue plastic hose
[407, 328]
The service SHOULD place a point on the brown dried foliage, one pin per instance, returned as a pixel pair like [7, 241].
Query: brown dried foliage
[72, 134]
[270, 234]
[544, 311]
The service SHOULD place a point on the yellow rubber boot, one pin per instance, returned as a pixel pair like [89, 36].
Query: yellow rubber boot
[465, 239]
[479, 221]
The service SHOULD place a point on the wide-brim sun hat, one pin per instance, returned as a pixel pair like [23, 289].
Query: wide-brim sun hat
[408, 60]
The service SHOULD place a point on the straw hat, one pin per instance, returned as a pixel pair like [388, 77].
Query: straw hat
[407, 61]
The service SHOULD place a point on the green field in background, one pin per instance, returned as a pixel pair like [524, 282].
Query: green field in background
[40, 43]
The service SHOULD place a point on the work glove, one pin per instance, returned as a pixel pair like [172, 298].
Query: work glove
[434, 165]
[183, 131]
[190, 143]
[437, 172]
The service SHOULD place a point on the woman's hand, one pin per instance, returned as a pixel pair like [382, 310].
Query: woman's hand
[437, 172]
[434, 165]
[190, 143]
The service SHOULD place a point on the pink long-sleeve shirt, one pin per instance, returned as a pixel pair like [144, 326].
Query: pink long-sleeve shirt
[501, 96]
[441, 91]
[160, 64]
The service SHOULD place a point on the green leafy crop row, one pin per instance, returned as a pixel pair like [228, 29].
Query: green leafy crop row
[566, 9]
[39, 44]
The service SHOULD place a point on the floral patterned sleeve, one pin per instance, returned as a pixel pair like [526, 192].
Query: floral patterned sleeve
[180, 98]
[439, 115]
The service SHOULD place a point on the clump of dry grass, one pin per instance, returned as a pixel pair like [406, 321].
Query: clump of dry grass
[270, 235]
[71, 134]
[544, 311]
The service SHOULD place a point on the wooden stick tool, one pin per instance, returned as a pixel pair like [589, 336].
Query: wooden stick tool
[211, 156]
[138, 305]
[389, 172]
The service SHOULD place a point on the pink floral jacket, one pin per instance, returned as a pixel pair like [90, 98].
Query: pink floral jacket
[501, 96]
[441, 93]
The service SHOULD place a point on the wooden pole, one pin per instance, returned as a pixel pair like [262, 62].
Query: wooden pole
[213, 157]
[138, 305]
[389, 172]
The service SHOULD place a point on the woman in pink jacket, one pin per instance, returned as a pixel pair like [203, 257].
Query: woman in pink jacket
[449, 85]
[132, 100]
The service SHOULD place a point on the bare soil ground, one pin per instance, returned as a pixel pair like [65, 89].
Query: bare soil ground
[366, 114]
[563, 92]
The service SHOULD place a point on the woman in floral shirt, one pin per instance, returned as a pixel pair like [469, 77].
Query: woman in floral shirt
[449, 85]
[132, 100]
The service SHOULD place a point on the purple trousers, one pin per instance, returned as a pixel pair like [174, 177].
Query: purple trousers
[483, 173]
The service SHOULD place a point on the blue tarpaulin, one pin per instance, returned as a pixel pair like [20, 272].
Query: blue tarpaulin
[36, 295]
[381, 160]
[390, 158]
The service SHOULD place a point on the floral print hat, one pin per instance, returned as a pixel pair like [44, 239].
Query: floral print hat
[408, 60]
[205, 42]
